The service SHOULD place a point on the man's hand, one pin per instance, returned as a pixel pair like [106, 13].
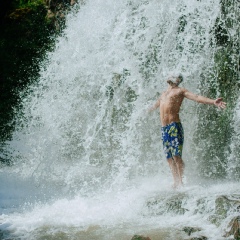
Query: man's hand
[155, 106]
[219, 103]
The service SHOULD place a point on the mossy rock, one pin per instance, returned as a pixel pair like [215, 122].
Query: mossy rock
[234, 228]
[167, 204]
[140, 237]
[199, 238]
[190, 230]
[214, 219]
[224, 205]
[201, 206]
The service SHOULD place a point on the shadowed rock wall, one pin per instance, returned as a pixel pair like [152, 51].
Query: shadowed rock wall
[28, 30]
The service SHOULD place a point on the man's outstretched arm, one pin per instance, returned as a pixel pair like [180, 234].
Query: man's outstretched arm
[155, 106]
[197, 98]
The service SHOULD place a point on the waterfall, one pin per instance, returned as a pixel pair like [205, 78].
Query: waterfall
[84, 137]
[233, 159]
[87, 115]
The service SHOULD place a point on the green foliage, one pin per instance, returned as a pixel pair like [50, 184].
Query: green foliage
[26, 3]
[221, 80]
[24, 39]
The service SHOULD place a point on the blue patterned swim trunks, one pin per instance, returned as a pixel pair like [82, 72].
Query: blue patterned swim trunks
[173, 138]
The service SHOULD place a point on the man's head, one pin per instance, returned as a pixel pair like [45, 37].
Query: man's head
[175, 80]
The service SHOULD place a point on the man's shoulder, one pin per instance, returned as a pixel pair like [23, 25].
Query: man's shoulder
[183, 90]
[180, 90]
[162, 94]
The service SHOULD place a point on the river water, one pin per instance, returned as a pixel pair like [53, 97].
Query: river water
[87, 159]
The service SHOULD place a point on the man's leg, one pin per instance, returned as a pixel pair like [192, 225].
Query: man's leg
[179, 168]
[174, 169]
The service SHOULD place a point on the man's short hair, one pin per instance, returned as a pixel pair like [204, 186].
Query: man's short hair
[177, 79]
[180, 77]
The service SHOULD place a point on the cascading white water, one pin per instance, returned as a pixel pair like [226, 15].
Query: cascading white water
[84, 133]
[233, 160]
[88, 113]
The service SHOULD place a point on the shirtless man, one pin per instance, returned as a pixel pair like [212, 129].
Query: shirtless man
[169, 105]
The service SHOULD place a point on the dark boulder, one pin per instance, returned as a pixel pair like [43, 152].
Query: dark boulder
[234, 228]
[140, 237]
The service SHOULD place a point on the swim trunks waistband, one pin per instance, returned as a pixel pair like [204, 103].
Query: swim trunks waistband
[171, 124]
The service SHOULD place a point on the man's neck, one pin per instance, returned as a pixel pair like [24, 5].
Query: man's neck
[170, 87]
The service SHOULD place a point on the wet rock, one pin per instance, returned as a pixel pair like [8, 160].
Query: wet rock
[201, 206]
[167, 204]
[224, 205]
[140, 237]
[214, 219]
[198, 238]
[190, 230]
[234, 228]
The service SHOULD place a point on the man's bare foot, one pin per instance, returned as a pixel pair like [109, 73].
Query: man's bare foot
[174, 186]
